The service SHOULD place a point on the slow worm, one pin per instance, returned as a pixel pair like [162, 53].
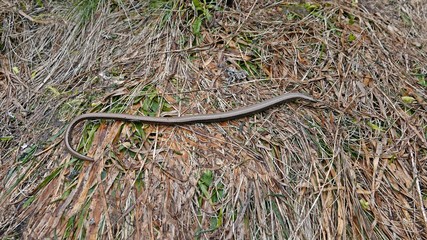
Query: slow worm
[202, 118]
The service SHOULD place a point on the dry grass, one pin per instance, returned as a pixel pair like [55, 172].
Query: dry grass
[351, 166]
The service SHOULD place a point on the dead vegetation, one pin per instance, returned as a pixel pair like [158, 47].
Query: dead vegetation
[351, 166]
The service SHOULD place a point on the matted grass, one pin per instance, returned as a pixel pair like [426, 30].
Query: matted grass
[351, 166]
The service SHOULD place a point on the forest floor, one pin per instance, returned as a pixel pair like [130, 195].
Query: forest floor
[352, 165]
